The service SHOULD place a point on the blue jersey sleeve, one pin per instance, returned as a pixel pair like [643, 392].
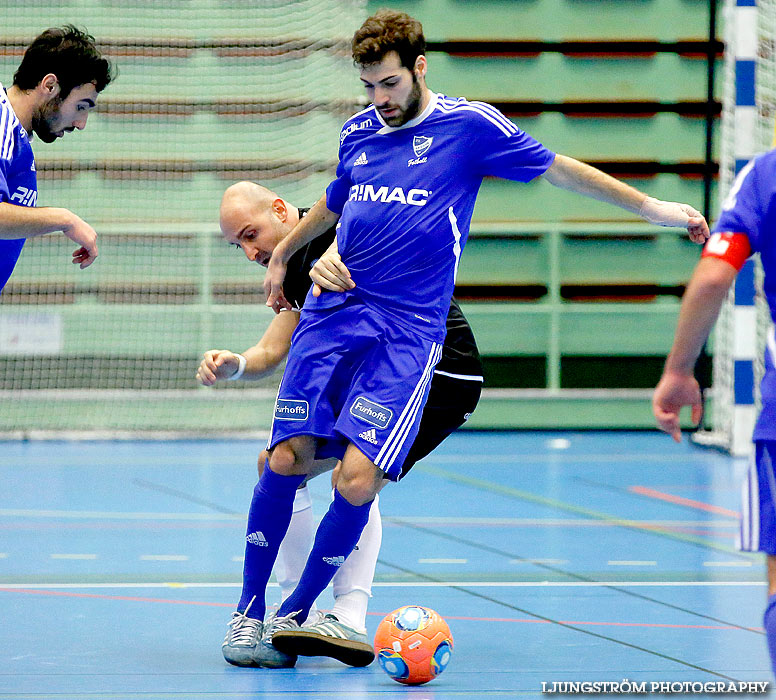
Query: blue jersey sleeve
[744, 208]
[503, 150]
[338, 190]
[5, 192]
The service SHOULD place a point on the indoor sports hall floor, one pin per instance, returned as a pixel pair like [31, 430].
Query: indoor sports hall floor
[598, 556]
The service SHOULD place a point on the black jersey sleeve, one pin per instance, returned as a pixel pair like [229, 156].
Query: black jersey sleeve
[298, 282]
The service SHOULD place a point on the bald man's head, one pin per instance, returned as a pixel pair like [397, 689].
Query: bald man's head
[255, 219]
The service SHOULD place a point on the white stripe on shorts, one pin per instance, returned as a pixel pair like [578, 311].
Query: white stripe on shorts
[393, 444]
[464, 377]
[750, 507]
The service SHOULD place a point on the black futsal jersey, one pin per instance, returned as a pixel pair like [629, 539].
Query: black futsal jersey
[457, 382]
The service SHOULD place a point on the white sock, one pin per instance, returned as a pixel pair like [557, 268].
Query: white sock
[296, 545]
[353, 581]
[350, 609]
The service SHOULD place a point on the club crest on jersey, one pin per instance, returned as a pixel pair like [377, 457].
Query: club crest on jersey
[371, 412]
[291, 409]
[421, 144]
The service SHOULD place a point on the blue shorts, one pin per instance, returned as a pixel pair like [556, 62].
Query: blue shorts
[758, 517]
[353, 376]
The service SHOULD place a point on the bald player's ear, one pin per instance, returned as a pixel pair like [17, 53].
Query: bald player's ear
[280, 209]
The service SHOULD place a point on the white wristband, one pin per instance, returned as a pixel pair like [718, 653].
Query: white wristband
[240, 369]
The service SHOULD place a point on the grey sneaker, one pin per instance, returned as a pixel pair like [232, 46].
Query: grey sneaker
[329, 637]
[243, 635]
[266, 654]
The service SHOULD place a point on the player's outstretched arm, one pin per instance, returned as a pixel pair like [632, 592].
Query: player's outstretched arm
[260, 360]
[700, 307]
[330, 273]
[575, 176]
[28, 222]
[318, 220]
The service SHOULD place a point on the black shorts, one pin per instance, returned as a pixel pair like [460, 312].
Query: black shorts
[450, 403]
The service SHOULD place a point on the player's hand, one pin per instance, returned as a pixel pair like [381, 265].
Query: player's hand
[273, 284]
[78, 231]
[330, 273]
[672, 393]
[215, 365]
[676, 214]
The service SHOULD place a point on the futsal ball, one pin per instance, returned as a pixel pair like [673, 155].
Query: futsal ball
[413, 644]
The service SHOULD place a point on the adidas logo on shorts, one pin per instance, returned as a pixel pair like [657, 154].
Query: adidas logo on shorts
[369, 436]
[334, 561]
[258, 539]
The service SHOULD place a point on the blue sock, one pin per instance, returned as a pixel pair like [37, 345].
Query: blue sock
[268, 519]
[769, 622]
[337, 535]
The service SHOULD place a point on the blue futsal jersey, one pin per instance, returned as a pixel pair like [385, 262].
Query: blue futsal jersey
[406, 196]
[750, 208]
[18, 179]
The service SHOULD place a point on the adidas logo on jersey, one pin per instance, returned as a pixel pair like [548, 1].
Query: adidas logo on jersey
[369, 436]
[361, 160]
[334, 561]
[258, 539]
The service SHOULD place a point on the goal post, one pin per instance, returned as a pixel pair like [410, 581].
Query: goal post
[749, 105]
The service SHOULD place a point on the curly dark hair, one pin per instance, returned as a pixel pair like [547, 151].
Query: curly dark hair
[386, 31]
[68, 53]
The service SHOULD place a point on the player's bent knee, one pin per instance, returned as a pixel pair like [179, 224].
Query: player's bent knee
[358, 488]
[288, 459]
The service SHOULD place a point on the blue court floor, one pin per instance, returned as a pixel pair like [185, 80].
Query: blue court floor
[553, 556]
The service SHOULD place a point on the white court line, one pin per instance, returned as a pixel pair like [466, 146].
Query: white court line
[86, 557]
[416, 584]
[573, 522]
[163, 557]
[428, 520]
[115, 515]
[442, 561]
[510, 458]
[239, 559]
[727, 563]
[632, 562]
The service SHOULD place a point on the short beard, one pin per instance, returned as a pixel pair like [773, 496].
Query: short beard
[45, 117]
[413, 105]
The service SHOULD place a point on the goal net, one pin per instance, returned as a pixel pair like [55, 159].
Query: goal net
[747, 129]
[207, 94]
